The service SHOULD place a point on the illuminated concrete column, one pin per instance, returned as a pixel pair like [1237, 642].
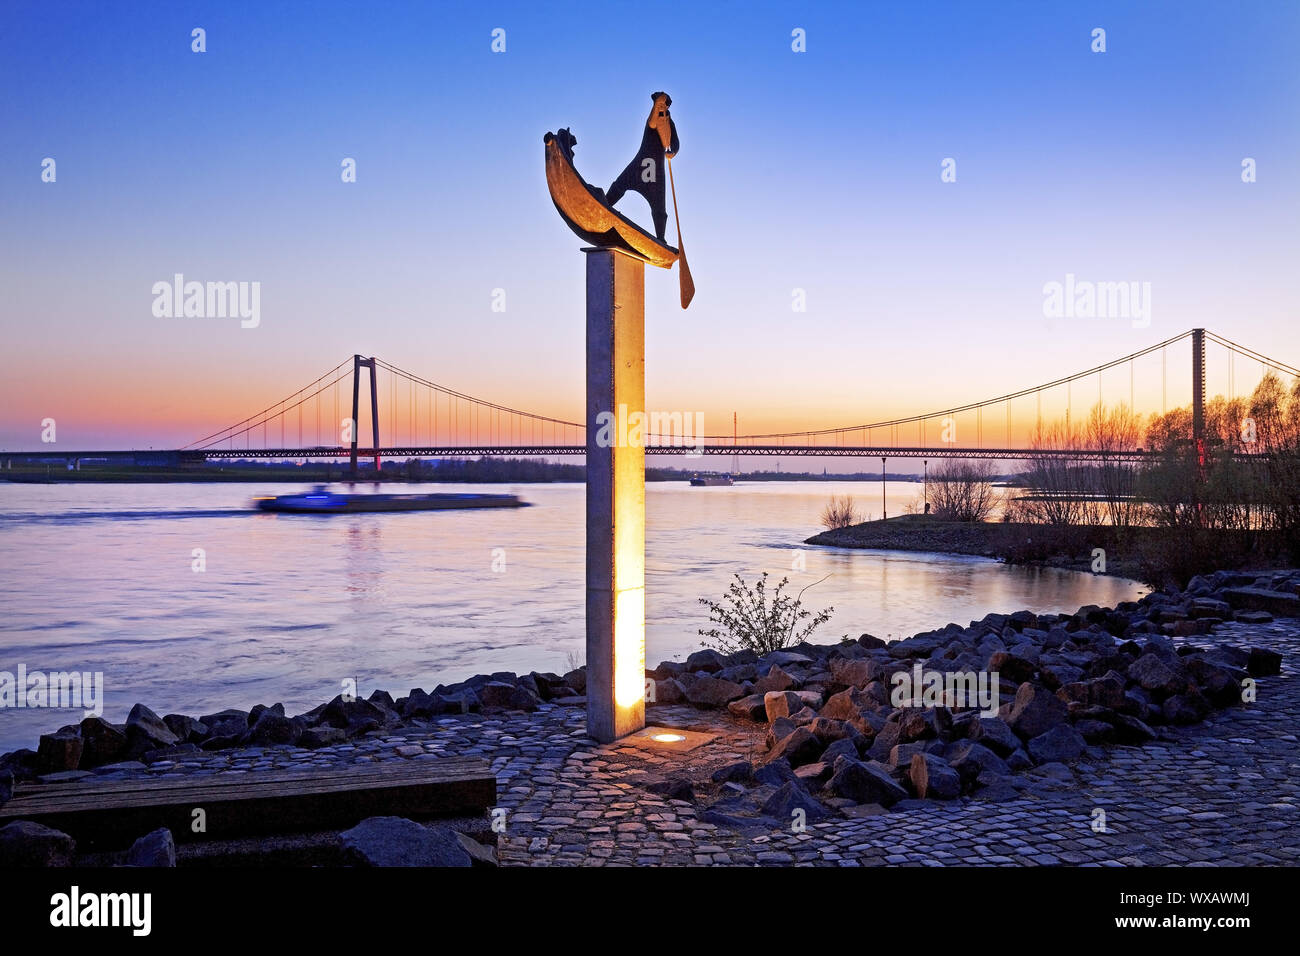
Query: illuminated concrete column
[615, 496]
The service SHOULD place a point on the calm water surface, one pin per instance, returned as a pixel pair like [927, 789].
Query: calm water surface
[100, 578]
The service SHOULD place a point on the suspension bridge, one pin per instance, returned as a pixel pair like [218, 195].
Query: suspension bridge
[421, 418]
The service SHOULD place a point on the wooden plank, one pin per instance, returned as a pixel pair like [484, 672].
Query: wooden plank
[108, 814]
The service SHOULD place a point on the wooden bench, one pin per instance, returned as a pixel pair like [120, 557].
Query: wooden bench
[109, 814]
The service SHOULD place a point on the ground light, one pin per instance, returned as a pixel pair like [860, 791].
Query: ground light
[671, 739]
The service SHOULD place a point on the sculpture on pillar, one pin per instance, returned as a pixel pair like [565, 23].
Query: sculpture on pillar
[589, 211]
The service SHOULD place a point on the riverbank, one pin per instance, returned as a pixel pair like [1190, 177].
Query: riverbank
[1155, 556]
[1138, 711]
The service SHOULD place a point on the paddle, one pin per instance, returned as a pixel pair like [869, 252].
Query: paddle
[683, 271]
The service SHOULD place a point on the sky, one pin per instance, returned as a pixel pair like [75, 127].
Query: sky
[813, 176]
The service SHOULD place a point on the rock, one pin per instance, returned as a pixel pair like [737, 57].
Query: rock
[479, 854]
[813, 774]
[784, 658]
[789, 798]
[1183, 709]
[258, 710]
[901, 755]
[919, 724]
[23, 843]
[549, 686]
[855, 673]
[186, 729]
[707, 660]
[970, 758]
[1095, 731]
[59, 751]
[395, 841]
[751, 707]
[781, 703]
[781, 727]
[713, 692]
[872, 643]
[1035, 711]
[1278, 603]
[775, 773]
[864, 783]
[1019, 760]
[828, 731]
[885, 740]
[6, 786]
[668, 691]
[155, 849]
[775, 679]
[314, 738]
[994, 733]
[1012, 666]
[1263, 662]
[1130, 730]
[145, 731]
[577, 679]
[1253, 617]
[1154, 674]
[843, 706]
[103, 743]
[1057, 745]
[739, 772]
[799, 747]
[273, 728]
[844, 747]
[674, 788]
[506, 695]
[933, 778]
[225, 715]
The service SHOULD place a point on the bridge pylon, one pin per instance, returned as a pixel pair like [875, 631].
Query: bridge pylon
[358, 363]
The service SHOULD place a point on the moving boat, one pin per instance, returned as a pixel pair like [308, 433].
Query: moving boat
[584, 209]
[708, 481]
[321, 501]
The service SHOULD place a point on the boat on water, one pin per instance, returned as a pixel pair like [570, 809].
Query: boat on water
[709, 481]
[322, 501]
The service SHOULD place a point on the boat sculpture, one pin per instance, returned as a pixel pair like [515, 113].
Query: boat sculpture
[589, 211]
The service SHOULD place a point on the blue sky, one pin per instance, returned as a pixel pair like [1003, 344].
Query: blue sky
[816, 171]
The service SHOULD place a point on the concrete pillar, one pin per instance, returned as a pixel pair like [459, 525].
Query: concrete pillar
[615, 495]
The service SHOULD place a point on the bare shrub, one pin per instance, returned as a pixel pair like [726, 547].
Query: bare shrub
[839, 513]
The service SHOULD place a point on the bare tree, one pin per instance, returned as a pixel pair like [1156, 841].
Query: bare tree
[963, 490]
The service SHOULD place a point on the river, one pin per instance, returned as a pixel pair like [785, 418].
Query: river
[102, 578]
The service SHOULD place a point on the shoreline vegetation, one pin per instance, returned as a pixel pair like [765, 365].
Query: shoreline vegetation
[1139, 553]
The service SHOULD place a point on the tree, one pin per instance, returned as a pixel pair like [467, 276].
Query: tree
[963, 490]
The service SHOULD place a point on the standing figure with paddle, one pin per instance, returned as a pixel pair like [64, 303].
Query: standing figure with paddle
[647, 171]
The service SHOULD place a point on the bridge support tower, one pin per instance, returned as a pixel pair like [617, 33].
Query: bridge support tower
[358, 363]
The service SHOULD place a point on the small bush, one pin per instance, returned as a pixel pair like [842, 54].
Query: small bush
[840, 513]
[747, 619]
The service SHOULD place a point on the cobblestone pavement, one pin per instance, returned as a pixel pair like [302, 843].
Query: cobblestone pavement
[1226, 791]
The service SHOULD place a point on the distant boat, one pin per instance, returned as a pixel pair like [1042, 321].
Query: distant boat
[321, 501]
[708, 481]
